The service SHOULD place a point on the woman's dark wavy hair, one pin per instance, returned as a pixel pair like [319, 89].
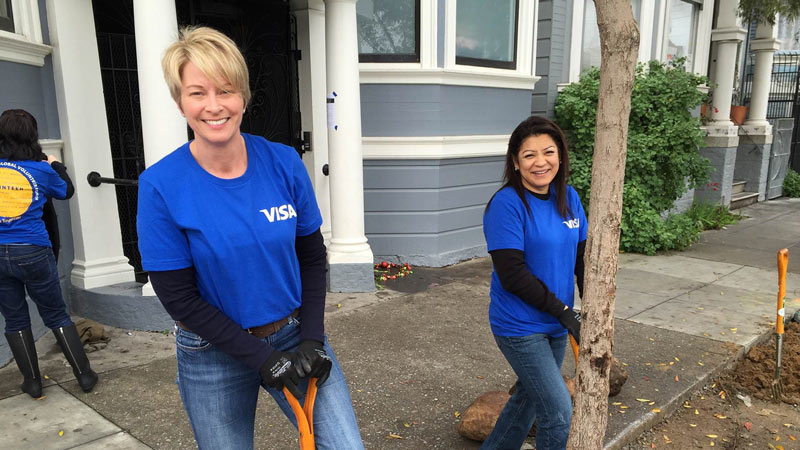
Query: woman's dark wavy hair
[19, 136]
[535, 126]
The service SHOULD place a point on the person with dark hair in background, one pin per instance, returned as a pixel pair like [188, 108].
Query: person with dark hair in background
[27, 261]
[535, 229]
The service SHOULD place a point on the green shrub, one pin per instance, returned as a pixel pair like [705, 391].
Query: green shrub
[791, 184]
[663, 142]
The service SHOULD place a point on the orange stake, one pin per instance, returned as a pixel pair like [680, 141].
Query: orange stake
[783, 263]
[304, 415]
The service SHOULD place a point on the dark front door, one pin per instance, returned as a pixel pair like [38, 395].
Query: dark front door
[264, 31]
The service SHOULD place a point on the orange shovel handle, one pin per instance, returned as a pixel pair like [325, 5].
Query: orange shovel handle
[574, 346]
[304, 415]
[783, 263]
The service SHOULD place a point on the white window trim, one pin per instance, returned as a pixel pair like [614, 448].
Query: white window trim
[427, 70]
[24, 45]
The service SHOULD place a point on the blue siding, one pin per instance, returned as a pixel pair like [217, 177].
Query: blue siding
[428, 212]
[438, 110]
[31, 88]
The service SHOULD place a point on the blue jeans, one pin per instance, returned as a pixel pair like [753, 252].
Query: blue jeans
[220, 394]
[33, 268]
[540, 395]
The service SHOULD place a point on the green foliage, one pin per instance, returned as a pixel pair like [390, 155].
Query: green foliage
[791, 184]
[766, 10]
[663, 142]
[712, 217]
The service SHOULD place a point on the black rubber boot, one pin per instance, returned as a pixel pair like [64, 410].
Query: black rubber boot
[72, 347]
[24, 350]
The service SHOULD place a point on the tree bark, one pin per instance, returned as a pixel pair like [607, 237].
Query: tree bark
[619, 41]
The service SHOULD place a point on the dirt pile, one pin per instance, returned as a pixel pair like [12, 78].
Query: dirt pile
[756, 372]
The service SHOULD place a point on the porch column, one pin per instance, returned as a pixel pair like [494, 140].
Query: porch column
[752, 157]
[722, 135]
[310, 15]
[349, 255]
[99, 259]
[728, 35]
[163, 127]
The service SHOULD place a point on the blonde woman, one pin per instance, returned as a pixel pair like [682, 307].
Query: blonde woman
[229, 232]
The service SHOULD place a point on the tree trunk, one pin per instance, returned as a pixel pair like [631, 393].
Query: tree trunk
[619, 40]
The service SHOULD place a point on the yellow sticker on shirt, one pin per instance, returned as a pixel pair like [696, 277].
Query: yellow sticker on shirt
[16, 193]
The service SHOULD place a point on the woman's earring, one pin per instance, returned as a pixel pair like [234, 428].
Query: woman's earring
[516, 169]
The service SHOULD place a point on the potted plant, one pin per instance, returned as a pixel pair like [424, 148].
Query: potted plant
[738, 110]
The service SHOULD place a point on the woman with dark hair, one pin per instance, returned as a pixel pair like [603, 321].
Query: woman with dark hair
[27, 261]
[535, 230]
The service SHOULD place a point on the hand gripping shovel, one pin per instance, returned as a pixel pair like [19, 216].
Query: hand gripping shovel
[783, 262]
[304, 415]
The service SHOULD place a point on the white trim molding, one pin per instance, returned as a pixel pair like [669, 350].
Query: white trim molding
[25, 44]
[53, 147]
[496, 78]
[435, 147]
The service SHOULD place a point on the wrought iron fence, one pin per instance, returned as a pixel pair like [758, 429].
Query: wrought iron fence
[783, 83]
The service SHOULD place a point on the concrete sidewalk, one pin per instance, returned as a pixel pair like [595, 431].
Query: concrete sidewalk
[415, 357]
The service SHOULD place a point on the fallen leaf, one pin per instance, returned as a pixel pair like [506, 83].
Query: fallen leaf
[480, 377]
[652, 445]
[719, 416]
[792, 437]
[656, 410]
[457, 414]
[711, 444]
[616, 403]
[339, 305]
[677, 379]
[686, 404]
[395, 436]
[748, 425]
[693, 425]
[787, 425]
[764, 412]
[623, 407]
[60, 433]
[700, 363]
[643, 400]
[652, 403]
[696, 412]
[667, 440]
[734, 329]
[406, 424]
[712, 436]
[779, 447]
[676, 359]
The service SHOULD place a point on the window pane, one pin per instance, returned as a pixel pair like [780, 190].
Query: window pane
[682, 24]
[388, 30]
[486, 32]
[6, 18]
[590, 49]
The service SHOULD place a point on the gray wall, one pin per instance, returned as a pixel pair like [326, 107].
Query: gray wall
[31, 88]
[552, 54]
[428, 212]
[438, 110]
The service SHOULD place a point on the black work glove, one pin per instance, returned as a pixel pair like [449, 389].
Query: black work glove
[281, 371]
[313, 361]
[571, 320]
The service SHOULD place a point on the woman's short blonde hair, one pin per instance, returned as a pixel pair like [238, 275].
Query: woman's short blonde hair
[215, 54]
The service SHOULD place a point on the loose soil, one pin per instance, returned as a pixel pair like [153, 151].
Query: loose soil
[719, 417]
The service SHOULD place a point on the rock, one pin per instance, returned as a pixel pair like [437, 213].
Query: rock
[617, 376]
[480, 416]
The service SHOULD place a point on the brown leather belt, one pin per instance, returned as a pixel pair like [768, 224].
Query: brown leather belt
[261, 331]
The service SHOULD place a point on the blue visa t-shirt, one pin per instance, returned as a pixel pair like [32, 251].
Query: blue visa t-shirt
[24, 186]
[549, 243]
[238, 234]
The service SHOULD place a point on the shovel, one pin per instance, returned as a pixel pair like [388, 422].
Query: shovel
[783, 262]
[304, 415]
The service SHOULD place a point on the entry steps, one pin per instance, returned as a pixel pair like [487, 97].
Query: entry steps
[739, 197]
